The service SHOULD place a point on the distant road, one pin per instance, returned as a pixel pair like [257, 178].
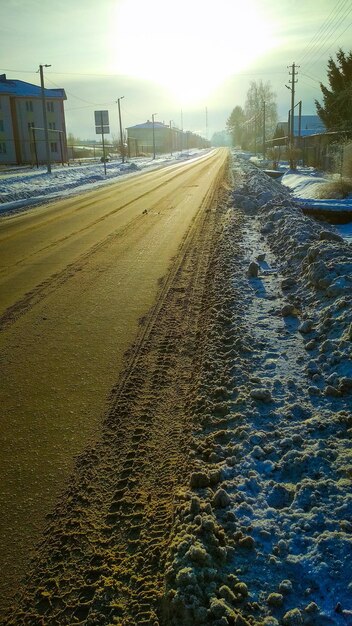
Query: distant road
[76, 276]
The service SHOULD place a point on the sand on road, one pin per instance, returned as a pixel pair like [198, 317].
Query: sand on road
[76, 276]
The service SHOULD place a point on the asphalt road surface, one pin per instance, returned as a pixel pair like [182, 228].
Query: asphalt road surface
[76, 279]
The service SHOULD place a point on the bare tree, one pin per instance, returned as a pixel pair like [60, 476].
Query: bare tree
[260, 109]
[234, 125]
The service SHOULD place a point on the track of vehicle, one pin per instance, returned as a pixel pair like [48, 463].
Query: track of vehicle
[102, 551]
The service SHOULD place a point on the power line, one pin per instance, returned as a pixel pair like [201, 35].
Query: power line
[91, 104]
[312, 87]
[325, 40]
[6, 69]
[88, 106]
[315, 80]
[325, 25]
[333, 43]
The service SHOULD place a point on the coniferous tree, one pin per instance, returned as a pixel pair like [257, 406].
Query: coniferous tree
[336, 110]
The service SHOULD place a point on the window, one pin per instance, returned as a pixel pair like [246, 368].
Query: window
[1, 126]
[53, 146]
[30, 125]
[29, 106]
[52, 126]
[50, 107]
[3, 148]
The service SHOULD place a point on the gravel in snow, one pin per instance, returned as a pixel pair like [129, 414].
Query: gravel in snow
[264, 534]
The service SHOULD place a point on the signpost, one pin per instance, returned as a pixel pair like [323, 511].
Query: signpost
[102, 128]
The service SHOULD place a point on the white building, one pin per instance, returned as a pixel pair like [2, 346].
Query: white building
[22, 138]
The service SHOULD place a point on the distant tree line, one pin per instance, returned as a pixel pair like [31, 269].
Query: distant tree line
[247, 126]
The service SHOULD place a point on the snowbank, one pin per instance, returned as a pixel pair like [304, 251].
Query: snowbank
[307, 184]
[263, 536]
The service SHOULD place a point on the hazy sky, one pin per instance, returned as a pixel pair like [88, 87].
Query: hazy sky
[164, 56]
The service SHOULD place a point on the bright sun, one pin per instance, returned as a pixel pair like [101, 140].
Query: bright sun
[188, 46]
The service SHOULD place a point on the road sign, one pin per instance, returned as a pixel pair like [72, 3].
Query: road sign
[102, 122]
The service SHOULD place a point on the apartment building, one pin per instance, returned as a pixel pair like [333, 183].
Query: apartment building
[22, 138]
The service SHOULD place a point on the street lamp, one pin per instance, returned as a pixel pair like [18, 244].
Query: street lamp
[153, 115]
[121, 134]
[46, 134]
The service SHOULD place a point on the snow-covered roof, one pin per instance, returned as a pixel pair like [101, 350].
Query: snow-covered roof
[27, 90]
[310, 122]
[148, 125]
[310, 125]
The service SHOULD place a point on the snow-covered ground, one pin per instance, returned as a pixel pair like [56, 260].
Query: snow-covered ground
[265, 530]
[22, 188]
[306, 184]
[265, 534]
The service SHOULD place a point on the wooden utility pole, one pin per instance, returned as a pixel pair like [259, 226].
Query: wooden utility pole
[171, 142]
[263, 129]
[45, 123]
[35, 147]
[121, 133]
[153, 118]
[292, 81]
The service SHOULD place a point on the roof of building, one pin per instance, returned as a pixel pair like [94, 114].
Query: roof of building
[148, 125]
[27, 90]
[310, 125]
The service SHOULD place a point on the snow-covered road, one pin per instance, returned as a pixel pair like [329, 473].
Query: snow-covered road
[262, 534]
[22, 188]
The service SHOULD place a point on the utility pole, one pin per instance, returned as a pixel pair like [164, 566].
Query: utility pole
[299, 120]
[181, 130]
[153, 115]
[263, 129]
[171, 142]
[35, 147]
[121, 134]
[292, 81]
[46, 134]
[255, 134]
[206, 123]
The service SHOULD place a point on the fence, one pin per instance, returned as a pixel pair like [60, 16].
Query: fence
[346, 166]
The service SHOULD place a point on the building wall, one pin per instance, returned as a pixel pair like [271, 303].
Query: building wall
[19, 115]
[140, 140]
[7, 144]
[30, 113]
[144, 139]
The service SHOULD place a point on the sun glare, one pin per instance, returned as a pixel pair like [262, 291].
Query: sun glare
[190, 47]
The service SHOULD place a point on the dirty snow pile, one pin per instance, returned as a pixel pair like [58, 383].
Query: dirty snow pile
[263, 536]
